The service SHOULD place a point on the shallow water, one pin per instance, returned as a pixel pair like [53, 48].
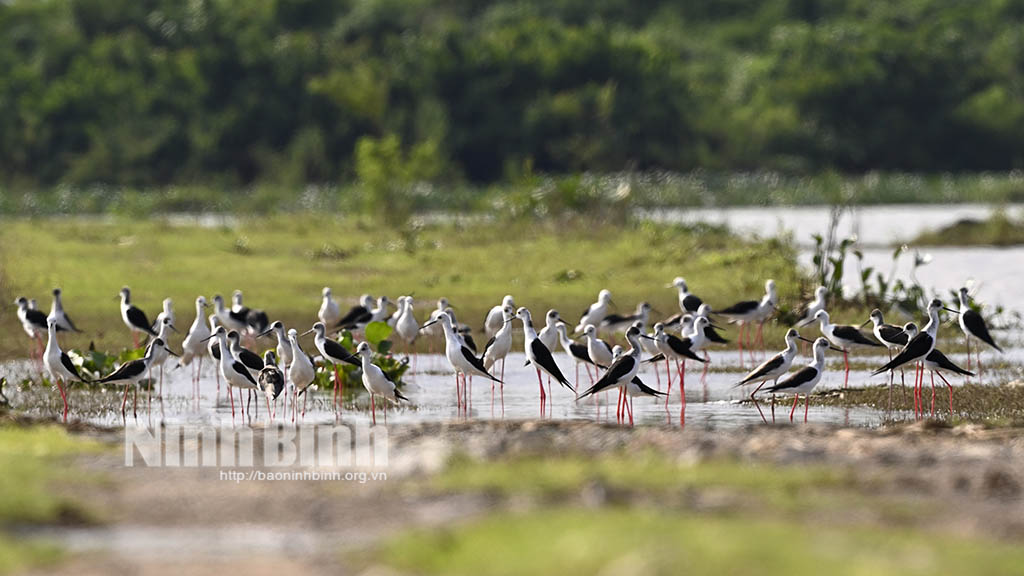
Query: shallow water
[711, 401]
[876, 225]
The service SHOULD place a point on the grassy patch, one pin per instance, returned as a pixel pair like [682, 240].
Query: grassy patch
[281, 263]
[33, 461]
[997, 230]
[999, 405]
[571, 541]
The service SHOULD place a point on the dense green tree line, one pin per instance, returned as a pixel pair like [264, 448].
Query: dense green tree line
[152, 92]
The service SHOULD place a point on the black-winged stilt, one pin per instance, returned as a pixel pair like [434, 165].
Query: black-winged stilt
[687, 302]
[462, 360]
[613, 323]
[500, 344]
[271, 381]
[892, 337]
[167, 312]
[359, 314]
[917, 349]
[804, 380]
[131, 372]
[329, 313]
[195, 346]
[235, 373]
[774, 367]
[229, 319]
[750, 311]
[809, 309]
[619, 374]
[33, 322]
[334, 353]
[134, 318]
[59, 365]
[596, 312]
[844, 336]
[576, 351]
[57, 313]
[495, 316]
[549, 333]
[973, 326]
[377, 382]
[301, 372]
[540, 356]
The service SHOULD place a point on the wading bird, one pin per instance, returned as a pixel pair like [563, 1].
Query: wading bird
[844, 336]
[194, 346]
[540, 356]
[619, 374]
[131, 372]
[376, 382]
[462, 360]
[774, 367]
[59, 365]
[804, 380]
[57, 313]
[329, 313]
[596, 312]
[334, 353]
[271, 381]
[134, 318]
[973, 326]
[750, 311]
[494, 320]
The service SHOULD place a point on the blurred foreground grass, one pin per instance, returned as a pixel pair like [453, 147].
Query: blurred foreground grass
[32, 459]
[282, 262]
[567, 541]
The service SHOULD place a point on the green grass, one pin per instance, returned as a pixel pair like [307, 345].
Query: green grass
[281, 263]
[619, 541]
[997, 230]
[34, 464]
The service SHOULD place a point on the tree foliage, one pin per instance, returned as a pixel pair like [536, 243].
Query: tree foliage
[155, 92]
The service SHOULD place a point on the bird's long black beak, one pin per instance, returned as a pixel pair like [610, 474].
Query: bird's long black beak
[948, 309]
[831, 347]
[173, 353]
[434, 321]
[646, 336]
[799, 337]
[310, 331]
[208, 338]
[264, 333]
[171, 326]
[866, 322]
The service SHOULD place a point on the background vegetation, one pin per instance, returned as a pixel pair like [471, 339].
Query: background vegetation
[446, 97]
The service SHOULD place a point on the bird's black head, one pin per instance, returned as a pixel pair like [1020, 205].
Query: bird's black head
[56, 291]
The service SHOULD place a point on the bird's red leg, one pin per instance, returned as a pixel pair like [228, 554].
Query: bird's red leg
[967, 342]
[950, 386]
[796, 398]
[60, 387]
[740, 342]
[933, 393]
[373, 409]
[807, 402]
[846, 363]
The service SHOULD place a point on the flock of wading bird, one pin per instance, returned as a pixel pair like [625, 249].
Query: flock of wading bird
[220, 337]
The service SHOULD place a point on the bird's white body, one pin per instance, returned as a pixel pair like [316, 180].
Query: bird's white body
[549, 333]
[495, 317]
[828, 330]
[194, 344]
[597, 311]
[529, 335]
[783, 362]
[374, 380]
[160, 354]
[818, 364]
[225, 318]
[52, 357]
[502, 340]
[598, 350]
[166, 313]
[31, 329]
[329, 312]
[284, 347]
[300, 371]
[228, 360]
[380, 313]
[453, 346]
[57, 313]
[817, 304]
[406, 326]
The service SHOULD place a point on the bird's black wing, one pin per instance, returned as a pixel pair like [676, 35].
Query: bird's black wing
[351, 317]
[240, 368]
[271, 378]
[691, 303]
[36, 318]
[468, 339]
[337, 351]
[257, 320]
[127, 371]
[940, 360]
[913, 351]
[656, 358]
[616, 372]
[215, 351]
[802, 376]
[138, 319]
[976, 326]
[487, 346]
[476, 362]
[852, 334]
[579, 352]
[65, 360]
[740, 308]
[612, 319]
[767, 366]
[251, 359]
[682, 347]
[892, 334]
[547, 362]
[713, 336]
[647, 389]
